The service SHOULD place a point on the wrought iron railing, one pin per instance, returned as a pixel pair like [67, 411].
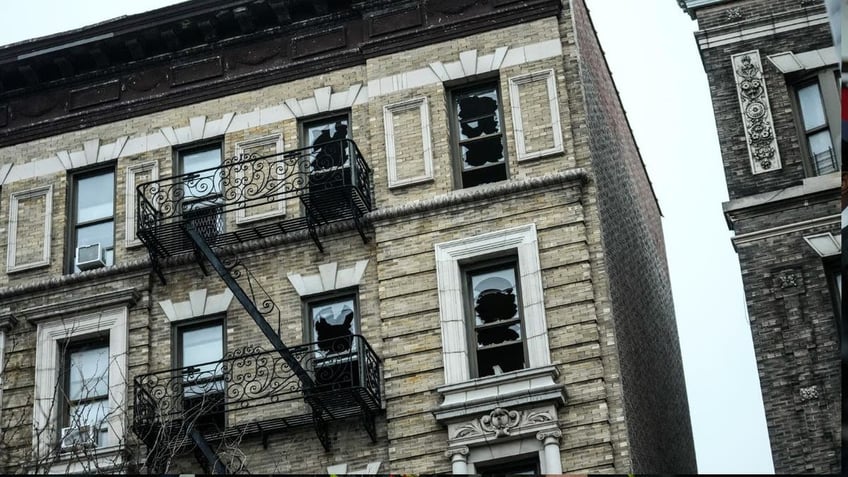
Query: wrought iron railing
[332, 181]
[254, 390]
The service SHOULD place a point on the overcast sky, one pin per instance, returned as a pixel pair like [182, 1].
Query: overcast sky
[652, 53]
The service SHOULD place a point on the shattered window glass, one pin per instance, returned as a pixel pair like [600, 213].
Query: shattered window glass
[498, 333]
[333, 323]
[479, 130]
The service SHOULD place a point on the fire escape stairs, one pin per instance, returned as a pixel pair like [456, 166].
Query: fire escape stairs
[355, 199]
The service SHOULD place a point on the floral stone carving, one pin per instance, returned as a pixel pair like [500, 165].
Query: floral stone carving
[502, 423]
[756, 112]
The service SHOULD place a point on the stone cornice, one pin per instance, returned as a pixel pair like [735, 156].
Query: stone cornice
[571, 177]
[125, 296]
[48, 86]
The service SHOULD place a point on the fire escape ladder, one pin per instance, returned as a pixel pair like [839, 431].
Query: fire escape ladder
[206, 251]
[214, 462]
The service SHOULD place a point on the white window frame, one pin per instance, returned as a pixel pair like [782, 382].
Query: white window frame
[521, 240]
[130, 198]
[51, 338]
[389, 112]
[11, 249]
[277, 141]
[515, 84]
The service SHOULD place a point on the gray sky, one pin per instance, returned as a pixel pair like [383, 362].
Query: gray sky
[659, 75]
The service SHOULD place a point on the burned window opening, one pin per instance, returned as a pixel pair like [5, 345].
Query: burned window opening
[480, 137]
[495, 325]
[333, 324]
[330, 168]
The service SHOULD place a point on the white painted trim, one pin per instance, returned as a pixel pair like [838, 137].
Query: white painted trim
[200, 127]
[130, 195]
[241, 213]
[789, 62]
[455, 350]
[52, 335]
[329, 277]
[199, 303]
[518, 124]
[749, 237]
[17, 197]
[371, 468]
[389, 112]
[708, 39]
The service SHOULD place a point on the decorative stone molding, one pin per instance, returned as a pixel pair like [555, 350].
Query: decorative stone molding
[551, 434]
[516, 85]
[126, 297]
[261, 146]
[370, 468]
[394, 145]
[325, 100]
[810, 392]
[7, 320]
[756, 113]
[787, 282]
[50, 336]
[733, 14]
[136, 174]
[503, 423]
[329, 277]
[523, 242]
[199, 303]
[15, 217]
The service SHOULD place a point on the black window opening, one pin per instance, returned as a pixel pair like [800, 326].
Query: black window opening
[814, 112]
[86, 395]
[525, 466]
[495, 325]
[329, 158]
[202, 196]
[333, 322]
[478, 126]
[92, 243]
[200, 351]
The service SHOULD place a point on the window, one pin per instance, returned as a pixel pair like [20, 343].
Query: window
[528, 466]
[478, 127]
[93, 209]
[494, 318]
[86, 394]
[817, 102]
[329, 165]
[332, 322]
[200, 351]
[202, 189]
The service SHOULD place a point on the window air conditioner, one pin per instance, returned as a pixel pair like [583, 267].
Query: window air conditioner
[73, 438]
[90, 257]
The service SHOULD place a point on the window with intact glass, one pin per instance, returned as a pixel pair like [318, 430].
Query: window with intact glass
[814, 114]
[87, 387]
[93, 214]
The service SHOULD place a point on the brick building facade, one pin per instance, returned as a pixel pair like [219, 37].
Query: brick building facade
[343, 237]
[773, 74]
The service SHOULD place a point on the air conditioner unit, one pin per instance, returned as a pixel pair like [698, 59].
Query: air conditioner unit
[90, 257]
[74, 438]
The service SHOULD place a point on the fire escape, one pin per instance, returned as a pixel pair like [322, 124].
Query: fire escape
[253, 391]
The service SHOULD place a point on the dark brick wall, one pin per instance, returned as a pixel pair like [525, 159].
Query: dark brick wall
[795, 341]
[793, 320]
[656, 407]
[731, 133]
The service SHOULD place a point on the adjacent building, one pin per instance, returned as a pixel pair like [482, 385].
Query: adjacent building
[285, 236]
[774, 77]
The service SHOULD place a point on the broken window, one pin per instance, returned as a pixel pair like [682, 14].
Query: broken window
[479, 129]
[329, 153]
[495, 329]
[333, 323]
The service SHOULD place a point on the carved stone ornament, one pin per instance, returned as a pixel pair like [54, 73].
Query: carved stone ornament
[733, 14]
[810, 392]
[502, 423]
[756, 112]
[787, 279]
[555, 433]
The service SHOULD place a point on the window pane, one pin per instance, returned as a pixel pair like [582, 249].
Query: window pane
[821, 149]
[206, 183]
[494, 295]
[95, 197]
[812, 108]
[324, 135]
[333, 323]
[102, 233]
[91, 414]
[202, 345]
[482, 152]
[88, 373]
[477, 112]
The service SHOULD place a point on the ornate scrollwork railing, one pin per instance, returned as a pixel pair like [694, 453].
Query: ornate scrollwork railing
[331, 175]
[346, 375]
